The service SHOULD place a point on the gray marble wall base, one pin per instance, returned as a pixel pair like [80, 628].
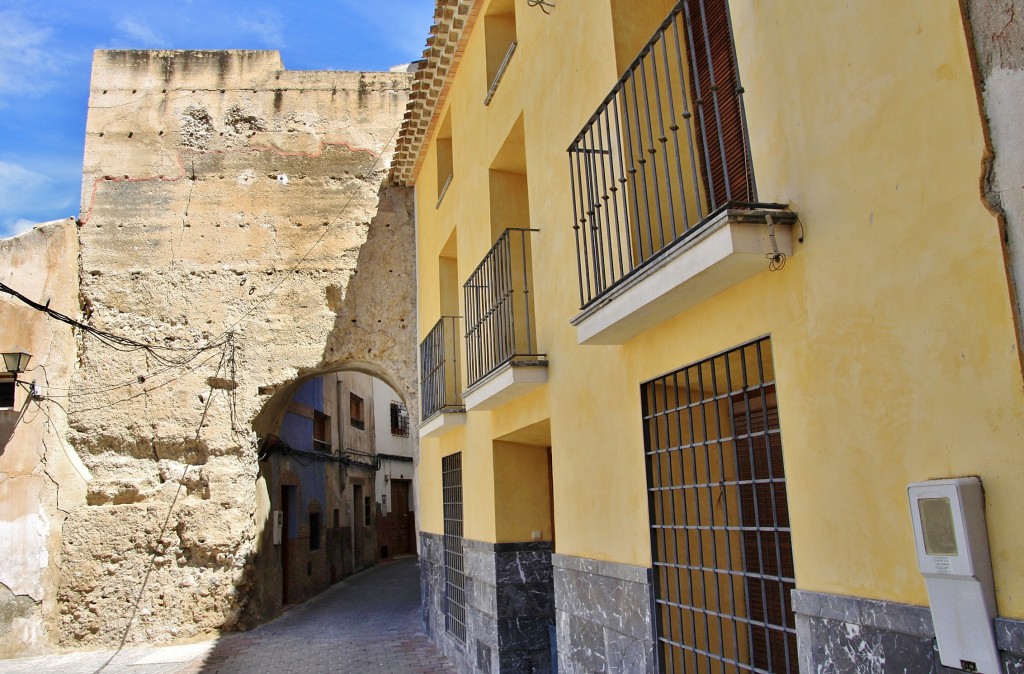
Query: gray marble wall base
[836, 633]
[604, 617]
[509, 606]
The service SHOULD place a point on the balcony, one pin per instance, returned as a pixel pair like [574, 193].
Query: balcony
[502, 362]
[664, 198]
[440, 381]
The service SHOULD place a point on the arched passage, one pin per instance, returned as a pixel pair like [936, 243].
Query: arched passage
[335, 484]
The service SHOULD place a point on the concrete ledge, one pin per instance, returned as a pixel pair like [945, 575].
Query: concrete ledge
[510, 381]
[890, 616]
[442, 423]
[627, 572]
[726, 251]
[884, 615]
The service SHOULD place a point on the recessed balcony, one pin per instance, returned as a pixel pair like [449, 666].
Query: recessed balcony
[665, 202]
[502, 358]
[440, 381]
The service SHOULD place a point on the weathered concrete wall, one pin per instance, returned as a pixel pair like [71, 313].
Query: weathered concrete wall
[221, 194]
[40, 476]
[996, 28]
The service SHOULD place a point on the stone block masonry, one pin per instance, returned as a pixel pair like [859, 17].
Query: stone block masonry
[225, 201]
[509, 605]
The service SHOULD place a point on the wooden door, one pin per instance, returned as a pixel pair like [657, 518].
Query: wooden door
[400, 514]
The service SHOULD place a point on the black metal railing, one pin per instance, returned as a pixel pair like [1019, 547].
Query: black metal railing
[666, 149]
[439, 369]
[499, 307]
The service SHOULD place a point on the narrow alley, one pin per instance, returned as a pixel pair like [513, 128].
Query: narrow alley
[370, 622]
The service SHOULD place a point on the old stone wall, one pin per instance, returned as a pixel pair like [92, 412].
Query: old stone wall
[996, 34]
[41, 477]
[233, 215]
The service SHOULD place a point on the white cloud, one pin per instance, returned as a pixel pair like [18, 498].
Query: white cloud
[404, 27]
[19, 186]
[140, 34]
[28, 197]
[28, 63]
[19, 226]
[266, 25]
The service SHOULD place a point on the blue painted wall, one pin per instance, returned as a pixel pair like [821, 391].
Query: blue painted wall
[297, 432]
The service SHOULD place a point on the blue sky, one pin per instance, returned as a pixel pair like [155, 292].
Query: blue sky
[46, 56]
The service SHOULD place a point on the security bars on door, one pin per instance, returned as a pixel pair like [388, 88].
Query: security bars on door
[499, 308]
[454, 569]
[439, 368]
[665, 150]
[720, 533]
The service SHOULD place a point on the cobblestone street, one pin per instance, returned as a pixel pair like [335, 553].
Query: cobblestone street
[367, 623]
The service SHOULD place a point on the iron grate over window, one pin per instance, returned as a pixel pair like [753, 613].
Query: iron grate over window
[454, 569]
[720, 532]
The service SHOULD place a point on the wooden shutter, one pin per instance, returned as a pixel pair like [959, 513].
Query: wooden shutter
[717, 104]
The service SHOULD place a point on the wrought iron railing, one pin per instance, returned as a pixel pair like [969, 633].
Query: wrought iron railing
[664, 152]
[499, 307]
[439, 369]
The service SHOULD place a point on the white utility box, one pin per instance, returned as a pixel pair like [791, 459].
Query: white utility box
[953, 555]
[277, 519]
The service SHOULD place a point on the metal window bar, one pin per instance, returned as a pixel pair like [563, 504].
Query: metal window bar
[501, 72]
[454, 567]
[720, 531]
[440, 380]
[499, 307]
[666, 150]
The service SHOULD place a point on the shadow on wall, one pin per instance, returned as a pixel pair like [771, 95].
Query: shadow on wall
[169, 539]
[9, 420]
[308, 495]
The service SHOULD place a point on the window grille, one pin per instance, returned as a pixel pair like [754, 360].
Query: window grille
[454, 570]
[720, 531]
[399, 420]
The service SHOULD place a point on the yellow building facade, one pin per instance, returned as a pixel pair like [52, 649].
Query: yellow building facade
[702, 288]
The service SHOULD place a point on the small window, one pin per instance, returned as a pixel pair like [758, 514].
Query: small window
[314, 531]
[321, 424]
[399, 420]
[337, 518]
[7, 395]
[355, 406]
[500, 41]
[368, 507]
[445, 167]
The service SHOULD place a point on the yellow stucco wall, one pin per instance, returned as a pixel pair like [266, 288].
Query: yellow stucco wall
[891, 323]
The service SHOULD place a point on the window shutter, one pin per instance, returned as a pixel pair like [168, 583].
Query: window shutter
[714, 81]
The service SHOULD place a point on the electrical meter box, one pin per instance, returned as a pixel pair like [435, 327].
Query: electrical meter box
[277, 520]
[953, 556]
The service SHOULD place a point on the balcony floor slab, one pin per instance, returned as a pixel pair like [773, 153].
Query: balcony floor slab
[728, 250]
[441, 423]
[508, 382]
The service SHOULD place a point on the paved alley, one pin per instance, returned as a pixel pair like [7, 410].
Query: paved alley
[369, 622]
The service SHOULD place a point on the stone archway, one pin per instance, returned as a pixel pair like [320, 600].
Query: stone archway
[321, 498]
[269, 220]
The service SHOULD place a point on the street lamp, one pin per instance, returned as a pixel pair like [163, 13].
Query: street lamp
[16, 362]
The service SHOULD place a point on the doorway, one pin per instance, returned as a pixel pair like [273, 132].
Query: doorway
[287, 533]
[401, 514]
